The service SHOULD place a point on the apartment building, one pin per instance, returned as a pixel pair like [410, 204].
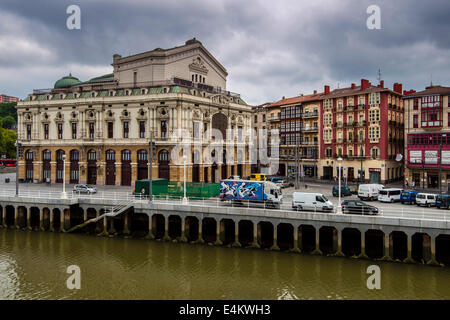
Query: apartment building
[362, 125]
[427, 135]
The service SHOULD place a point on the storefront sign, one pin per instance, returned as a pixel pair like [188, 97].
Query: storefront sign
[431, 156]
[445, 157]
[415, 156]
[374, 170]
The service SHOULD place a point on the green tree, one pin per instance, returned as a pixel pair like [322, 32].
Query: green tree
[8, 109]
[8, 142]
[8, 122]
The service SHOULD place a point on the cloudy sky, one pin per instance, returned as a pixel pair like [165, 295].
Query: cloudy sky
[270, 48]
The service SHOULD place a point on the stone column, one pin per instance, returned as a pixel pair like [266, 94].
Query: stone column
[126, 229]
[41, 219]
[52, 229]
[363, 244]
[4, 216]
[218, 234]
[16, 216]
[166, 229]
[183, 237]
[300, 239]
[105, 227]
[387, 248]
[150, 235]
[338, 243]
[275, 238]
[408, 248]
[200, 227]
[236, 242]
[433, 260]
[296, 243]
[317, 249]
[29, 218]
[62, 219]
[255, 243]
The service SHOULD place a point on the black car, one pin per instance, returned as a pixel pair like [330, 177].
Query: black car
[358, 207]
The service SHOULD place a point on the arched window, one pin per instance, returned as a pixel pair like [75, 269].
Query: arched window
[92, 155]
[74, 155]
[126, 155]
[47, 155]
[110, 155]
[59, 155]
[142, 155]
[163, 156]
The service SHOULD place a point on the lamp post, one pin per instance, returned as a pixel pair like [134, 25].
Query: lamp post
[339, 210]
[64, 195]
[444, 136]
[150, 174]
[185, 201]
[18, 151]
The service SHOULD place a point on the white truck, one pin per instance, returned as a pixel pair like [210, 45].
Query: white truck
[311, 201]
[369, 191]
[251, 191]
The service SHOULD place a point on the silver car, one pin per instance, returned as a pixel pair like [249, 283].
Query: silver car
[84, 188]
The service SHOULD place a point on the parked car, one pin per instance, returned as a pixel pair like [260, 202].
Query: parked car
[345, 191]
[389, 195]
[369, 191]
[358, 207]
[443, 201]
[311, 201]
[279, 181]
[84, 188]
[408, 197]
[426, 199]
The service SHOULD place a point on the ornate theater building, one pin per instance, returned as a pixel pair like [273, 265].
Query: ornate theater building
[102, 126]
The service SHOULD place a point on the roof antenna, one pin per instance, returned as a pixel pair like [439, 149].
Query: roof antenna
[379, 75]
[338, 85]
[431, 82]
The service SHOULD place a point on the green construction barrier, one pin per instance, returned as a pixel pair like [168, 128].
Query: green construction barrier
[175, 189]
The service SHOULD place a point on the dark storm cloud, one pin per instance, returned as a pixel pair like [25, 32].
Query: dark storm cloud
[270, 49]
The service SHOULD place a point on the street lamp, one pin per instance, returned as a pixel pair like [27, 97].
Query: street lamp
[18, 152]
[185, 200]
[64, 195]
[150, 174]
[339, 210]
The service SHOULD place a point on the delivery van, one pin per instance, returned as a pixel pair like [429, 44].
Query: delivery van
[311, 201]
[389, 195]
[369, 191]
[426, 199]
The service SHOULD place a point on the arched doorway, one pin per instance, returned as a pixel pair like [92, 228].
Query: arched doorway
[74, 167]
[110, 167]
[196, 166]
[46, 165]
[59, 166]
[163, 164]
[220, 122]
[126, 168]
[142, 156]
[29, 165]
[92, 167]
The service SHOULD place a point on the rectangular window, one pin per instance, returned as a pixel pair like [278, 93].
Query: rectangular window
[46, 131]
[416, 104]
[125, 129]
[110, 130]
[28, 131]
[196, 126]
[163, 129]
[142, 129]
[240, 133]
[415, 121]
[91, 130]
[74, 130]
[256, 118]
[264, 118]
[60, 131]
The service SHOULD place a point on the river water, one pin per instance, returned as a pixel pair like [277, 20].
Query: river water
[33, 265]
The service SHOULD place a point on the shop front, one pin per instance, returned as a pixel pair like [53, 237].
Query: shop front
[375, 175]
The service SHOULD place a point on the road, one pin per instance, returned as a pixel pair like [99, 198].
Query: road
[125, 193]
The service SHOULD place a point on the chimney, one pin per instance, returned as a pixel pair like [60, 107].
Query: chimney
[405, 93]
[364, 84]
[398, 87]
[315, 92]
[326, 89]
[353, 86]
[381, 85]
[283, 98]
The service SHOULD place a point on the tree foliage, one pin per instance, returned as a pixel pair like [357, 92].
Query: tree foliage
[8, 143]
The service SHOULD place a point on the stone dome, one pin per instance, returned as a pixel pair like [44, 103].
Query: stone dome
[66, 82]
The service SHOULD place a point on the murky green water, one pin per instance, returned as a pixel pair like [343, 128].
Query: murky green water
[33, 266]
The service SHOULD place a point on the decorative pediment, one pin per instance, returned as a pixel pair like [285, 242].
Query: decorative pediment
[45, 117]
[220, 99]
[74, 116]
[125, 115]
[142, 114]
[163, 113]
[197, 65]
[90, 115]
[109, 116]
[59, 117]
[197, 114]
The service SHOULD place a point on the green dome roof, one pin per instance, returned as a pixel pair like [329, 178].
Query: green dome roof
[66, 82]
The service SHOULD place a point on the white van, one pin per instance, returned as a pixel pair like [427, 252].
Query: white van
[389, 194]
[426, 199]
[369, 191]
[311, 201]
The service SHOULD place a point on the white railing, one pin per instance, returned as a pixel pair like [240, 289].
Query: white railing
[119, 199]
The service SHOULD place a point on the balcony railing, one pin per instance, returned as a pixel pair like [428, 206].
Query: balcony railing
[273, 119]
[310, 114]
[310, 129]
